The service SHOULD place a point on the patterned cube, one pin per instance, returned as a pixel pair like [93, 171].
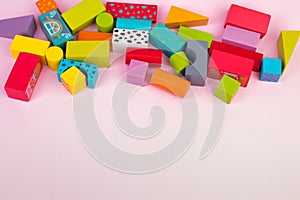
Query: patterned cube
[73, 80]
[227, 88]
[271, 69]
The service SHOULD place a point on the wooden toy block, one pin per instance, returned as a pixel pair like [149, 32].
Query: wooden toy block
[271, 69]
[89, 35]
[165, 39]
[192, 34]
[55, 28]
[170, 82]
[124, 38]
[29, 45]
[286, 44]
[136, 24]
[83, 14]
[94, 52]
[24, 25]
[196, 51]
[73, 80]
[248, 19]
[45, 6]
[237, 67]
[255, 56]
[227, 89]
[90, 71]
[54, 55]
[132, 11]
[241, 38]
[137, 72]
[23, 77]
[151, 56]
[105, 22]
[179, 62]
[181, 17]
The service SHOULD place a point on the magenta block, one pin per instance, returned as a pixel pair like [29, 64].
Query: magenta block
[137, 72]
[25, 26]
[241, 38]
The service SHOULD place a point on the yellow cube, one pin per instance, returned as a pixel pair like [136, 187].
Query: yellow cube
[73, 80]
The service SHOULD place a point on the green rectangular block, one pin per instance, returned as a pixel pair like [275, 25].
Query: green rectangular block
[192, 34]
[83, 14]
[227, 89]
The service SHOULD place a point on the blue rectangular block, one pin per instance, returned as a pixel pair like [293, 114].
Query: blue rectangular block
[55, 28]
[271, 69]
[135, 24]
[165, 39]
[89, 70]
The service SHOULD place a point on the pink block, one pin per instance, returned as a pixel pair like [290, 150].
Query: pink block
[241, 38]
[137, 72]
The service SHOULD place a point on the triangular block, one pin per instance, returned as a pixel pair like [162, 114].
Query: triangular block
[181, 17]
[137, 72]
[286, 44]
[73, 80]
[25, 26]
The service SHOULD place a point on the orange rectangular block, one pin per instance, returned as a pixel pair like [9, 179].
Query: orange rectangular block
[89, 35]
[45, 6]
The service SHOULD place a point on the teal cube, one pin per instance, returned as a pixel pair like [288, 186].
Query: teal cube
[271, 69]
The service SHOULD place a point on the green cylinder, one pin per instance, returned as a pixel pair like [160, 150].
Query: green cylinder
[179, 61]
[105, 22]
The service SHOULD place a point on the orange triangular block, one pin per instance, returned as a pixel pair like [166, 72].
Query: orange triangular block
[180, 17]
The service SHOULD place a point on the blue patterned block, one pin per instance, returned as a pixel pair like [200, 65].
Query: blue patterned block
[165, 39]
[136, 24]
[271, 69]
[55, 28]
[90, 71]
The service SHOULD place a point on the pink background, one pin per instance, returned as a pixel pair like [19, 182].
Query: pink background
[258, 156]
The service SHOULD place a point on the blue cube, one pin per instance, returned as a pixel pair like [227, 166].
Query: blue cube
[271, 69]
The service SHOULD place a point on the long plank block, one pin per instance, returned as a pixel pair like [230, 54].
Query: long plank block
[193, 34]
[151, 56]
[89, 35]
[136, 24]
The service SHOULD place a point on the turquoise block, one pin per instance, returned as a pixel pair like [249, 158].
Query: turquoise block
[89, 70]
[136, 24]
[55, 28]
[165, 39]
[271, 69]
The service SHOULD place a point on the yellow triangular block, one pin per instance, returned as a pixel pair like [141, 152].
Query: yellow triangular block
[73, 80]
[181, 17]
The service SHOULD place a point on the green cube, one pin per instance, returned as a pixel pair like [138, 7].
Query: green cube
[227, 88]
[192, 34]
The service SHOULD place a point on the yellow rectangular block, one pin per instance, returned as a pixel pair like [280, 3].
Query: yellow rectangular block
[83, 14]
[93, 52]
[29, 45]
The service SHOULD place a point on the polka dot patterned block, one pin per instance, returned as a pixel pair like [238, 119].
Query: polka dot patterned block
[133, 11]
[45, 6]
[271, 69]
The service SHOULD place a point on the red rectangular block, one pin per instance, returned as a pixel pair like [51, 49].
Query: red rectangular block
[236, 67]
[151, 56]
[255, 56]
[24, 76]
[248, 19]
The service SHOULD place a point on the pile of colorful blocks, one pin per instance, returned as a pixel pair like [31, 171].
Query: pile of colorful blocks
[128, 28]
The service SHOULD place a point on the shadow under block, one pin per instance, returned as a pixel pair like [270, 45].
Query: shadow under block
[105, 22]
[94, 52]
[124, 38]
[29, 45]
[23, 76]
[166, 40]
[248, 19]
[241, 38]
[132, 10]
[89, 70]
[151, 56]
[170, 82]
[237, 67]
[24, 25]
[136, 24]
[55, 28]
[286, 44]
[193, 34]
[179, 61]
[255, 56]
[181, 17]
[89, 35]
[196, 51]
[45, 6]
[54, 55]
[83, 14]
[73, 80]
[271, 69]
[227, 89]
[137, 72]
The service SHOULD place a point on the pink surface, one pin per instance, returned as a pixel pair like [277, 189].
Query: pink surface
[257, 157]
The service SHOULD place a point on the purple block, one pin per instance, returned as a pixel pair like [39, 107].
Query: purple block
[137, 72]
[25, 26]
[241, 38]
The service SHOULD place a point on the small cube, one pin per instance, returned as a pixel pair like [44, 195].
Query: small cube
[227, 89]
[73, 80]
[271, 69]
